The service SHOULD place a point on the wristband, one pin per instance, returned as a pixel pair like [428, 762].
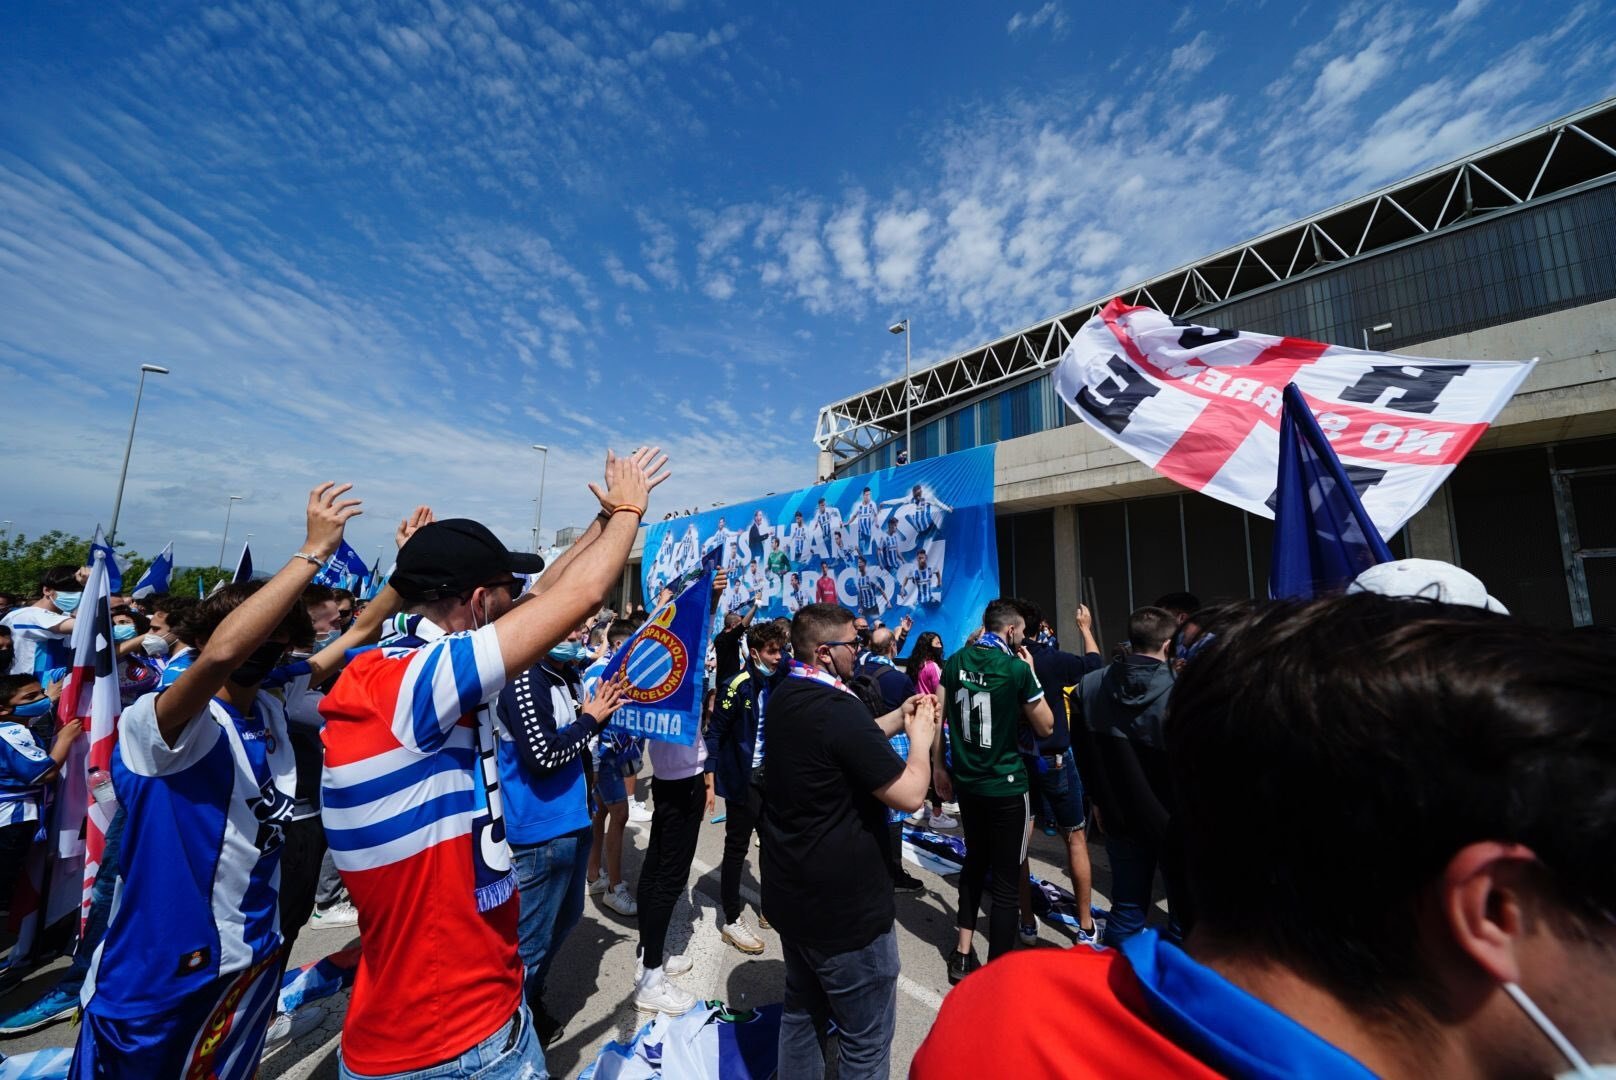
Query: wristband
[637, 511]
[309, 558]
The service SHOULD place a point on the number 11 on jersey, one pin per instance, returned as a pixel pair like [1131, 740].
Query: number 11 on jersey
[977, 708]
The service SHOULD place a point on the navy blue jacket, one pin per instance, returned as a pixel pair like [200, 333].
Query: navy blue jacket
[732, 732]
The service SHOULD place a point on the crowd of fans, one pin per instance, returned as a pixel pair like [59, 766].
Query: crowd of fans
[1383, 821]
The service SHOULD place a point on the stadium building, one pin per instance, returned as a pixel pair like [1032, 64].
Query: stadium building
[1508, 253]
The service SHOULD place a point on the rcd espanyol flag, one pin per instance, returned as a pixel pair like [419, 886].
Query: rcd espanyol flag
[1202, 407]
[666, 662]
[916, 540]
[338, 567]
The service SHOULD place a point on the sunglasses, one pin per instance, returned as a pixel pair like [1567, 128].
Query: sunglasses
[511, 585]
[833, 644]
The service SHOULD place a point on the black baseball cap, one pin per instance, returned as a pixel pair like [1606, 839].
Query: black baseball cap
[447, 558]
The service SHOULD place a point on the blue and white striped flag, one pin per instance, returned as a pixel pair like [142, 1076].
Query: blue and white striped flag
[243, 566]
[155, 580]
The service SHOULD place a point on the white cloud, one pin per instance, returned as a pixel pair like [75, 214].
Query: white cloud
[844, 233]
[623, 277]
[900, 245]
[1192, 56]
[659, 250]
[1347, 78]
[1050, 16]
[719, 287]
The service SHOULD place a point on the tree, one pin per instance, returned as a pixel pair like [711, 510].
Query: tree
[23, 561]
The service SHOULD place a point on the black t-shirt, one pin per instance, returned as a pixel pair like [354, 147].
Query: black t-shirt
[1056, 671]
[727, 650]
[826, 878]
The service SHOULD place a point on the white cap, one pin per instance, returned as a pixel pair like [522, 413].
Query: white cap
[1429, 578]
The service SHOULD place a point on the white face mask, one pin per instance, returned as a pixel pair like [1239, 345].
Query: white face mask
[1580, 1068]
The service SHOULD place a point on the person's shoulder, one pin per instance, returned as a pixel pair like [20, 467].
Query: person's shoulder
[1097, 984]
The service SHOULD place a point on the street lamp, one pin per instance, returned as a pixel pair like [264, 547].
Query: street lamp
[117, 505]
[228, 510]
[1378, 328]
[908, 391]
[538, 505]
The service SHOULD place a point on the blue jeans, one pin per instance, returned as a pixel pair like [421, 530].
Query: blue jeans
[857, 989]
[550, 890]
[507, 1054]
[1133, 880]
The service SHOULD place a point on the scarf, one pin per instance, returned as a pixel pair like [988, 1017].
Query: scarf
[493, 879]
[799, 670]
[990, 640]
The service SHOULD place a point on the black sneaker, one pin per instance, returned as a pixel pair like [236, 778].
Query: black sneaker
[904, 881]
[960, 965]
[546, 1027]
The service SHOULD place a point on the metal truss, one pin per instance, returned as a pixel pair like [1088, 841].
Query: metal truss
[1572, 152]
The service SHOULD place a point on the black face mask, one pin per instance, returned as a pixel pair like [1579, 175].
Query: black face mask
[259, 664]
[6, 655]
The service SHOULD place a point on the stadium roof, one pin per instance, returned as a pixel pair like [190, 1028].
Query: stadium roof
[1565, 155]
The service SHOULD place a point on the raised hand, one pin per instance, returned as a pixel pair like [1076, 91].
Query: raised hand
[422, 515]
[1085, 620]
[629, 480]
[605, 698]
[328, 514]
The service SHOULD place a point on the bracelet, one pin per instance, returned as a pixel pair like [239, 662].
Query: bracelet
[309, 558]
[638, 511]
[603, 517]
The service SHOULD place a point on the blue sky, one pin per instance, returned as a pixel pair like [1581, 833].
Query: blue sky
[399, 242]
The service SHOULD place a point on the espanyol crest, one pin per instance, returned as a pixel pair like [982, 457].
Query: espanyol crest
[657, 660]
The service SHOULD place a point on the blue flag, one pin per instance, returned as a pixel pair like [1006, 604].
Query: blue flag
[243, 566]
[1323, 537]
[114, 567]
[666, 661]
[155, 580]
[201, 590]
[340, 566]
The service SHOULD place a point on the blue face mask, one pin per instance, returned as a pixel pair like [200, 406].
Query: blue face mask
[67, 602]
[568, 652]
[33, 710]
[122, 631]
[327, 638]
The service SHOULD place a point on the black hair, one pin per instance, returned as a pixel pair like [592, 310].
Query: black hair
[142, 623]
[62, 578]
[10, 684]
[1179, 603]
[999, 614]
[198, 624]
[317, 594]
[815, 624]
[1150, 628]
[923, 651]
[1329, 751]
[764, 633]
[1030, 613]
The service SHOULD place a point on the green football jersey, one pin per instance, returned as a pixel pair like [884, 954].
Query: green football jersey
[984, 689]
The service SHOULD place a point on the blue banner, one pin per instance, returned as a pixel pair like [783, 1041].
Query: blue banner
[666, 663]
[341, 566]
[916, 540]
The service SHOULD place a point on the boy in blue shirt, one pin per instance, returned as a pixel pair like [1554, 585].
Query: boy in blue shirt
[25, 769]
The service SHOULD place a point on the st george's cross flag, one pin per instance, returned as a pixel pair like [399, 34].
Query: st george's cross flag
[1202, 406]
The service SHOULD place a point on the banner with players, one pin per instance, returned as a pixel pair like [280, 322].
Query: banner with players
[916, 540]
[1202, 406]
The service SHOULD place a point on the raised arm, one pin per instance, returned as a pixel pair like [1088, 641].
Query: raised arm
[251, 623]
[530, 630]
[908, 791]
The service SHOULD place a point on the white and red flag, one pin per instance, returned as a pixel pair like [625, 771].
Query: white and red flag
[1202, 406]
[91, 695]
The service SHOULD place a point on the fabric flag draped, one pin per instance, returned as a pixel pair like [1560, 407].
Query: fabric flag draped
[666, 661]
[1202, 406]
[155, 580]
[90, 695]
[1323, 537]
[114, 567]
[244, 569]
[338, 569]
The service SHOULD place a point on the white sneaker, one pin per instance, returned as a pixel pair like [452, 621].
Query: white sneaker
[940, 820]
[951, 808]
[293, 1025]
[671, 966]
[619, 900]
[638, 811]
[654, 993]
[342, 913]
[741, 935]
[596, 887]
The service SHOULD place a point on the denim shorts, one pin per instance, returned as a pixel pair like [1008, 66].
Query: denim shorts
[1061, 786]
[609, 786]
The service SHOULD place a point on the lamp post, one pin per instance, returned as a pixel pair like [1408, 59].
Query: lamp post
[117, 505]
[538, 505]
[228, 510]
[1378, 328]
[908, 391]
